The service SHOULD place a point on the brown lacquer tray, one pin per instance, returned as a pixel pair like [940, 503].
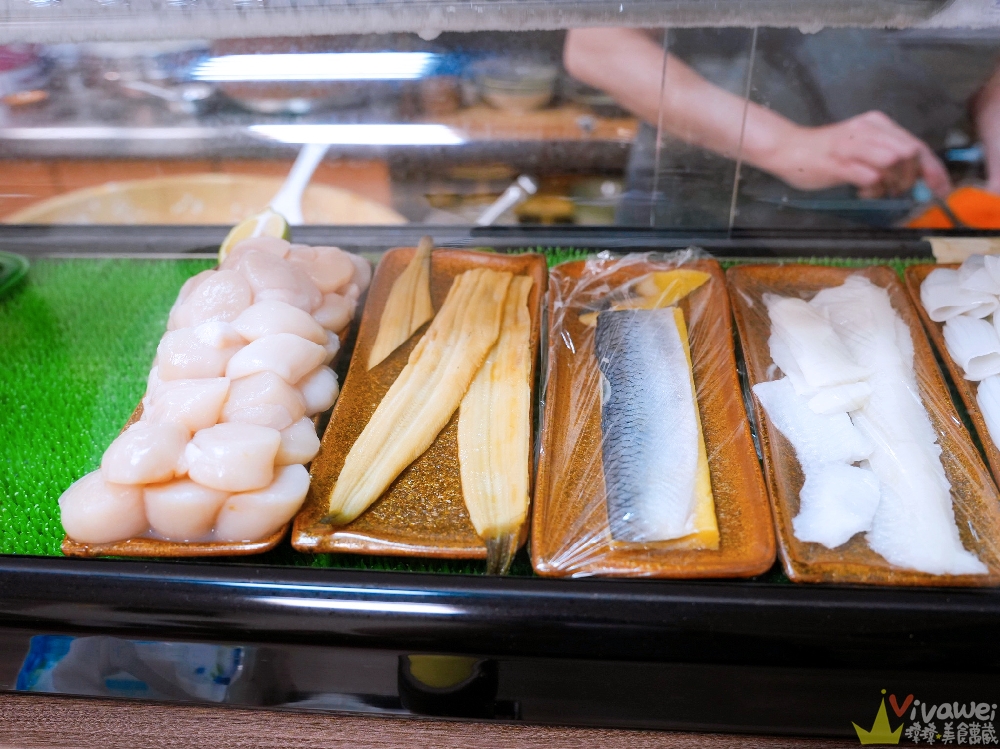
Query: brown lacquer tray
[571, 534]
[974, 495]
[422, 513]
[146, 546]
[914, 277]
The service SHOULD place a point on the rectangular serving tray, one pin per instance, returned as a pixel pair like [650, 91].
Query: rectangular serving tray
[975, 497]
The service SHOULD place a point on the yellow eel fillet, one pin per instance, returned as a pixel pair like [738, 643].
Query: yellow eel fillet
[494, 425]
[408, 306]
[426, 393]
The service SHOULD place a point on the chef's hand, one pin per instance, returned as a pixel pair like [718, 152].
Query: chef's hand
[869, 151]
[986, 113]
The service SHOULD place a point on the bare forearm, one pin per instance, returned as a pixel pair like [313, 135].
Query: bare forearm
[986, 113]
[630, 66]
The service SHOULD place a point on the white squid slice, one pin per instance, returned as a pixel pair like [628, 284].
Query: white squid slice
[944, 298]
[145, 453]
[287, 355]
[970, 265]
[233, 457]
[94, 511]
[319, 388]
[299, 443]
[182, 510]
[819, 353]
[841, 398]
[836, 502]
[269, 318]
[195, 404]
[251, 516]
[988, 398]
[974, 345]
[263, 399]
[221, 297]
[191, 353]
[816, 438]
[981, 281]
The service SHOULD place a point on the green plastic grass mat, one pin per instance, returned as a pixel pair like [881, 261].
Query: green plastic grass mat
[76, 341]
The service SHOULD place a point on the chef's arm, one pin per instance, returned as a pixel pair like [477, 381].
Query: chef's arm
[986, 113]
[869, 151]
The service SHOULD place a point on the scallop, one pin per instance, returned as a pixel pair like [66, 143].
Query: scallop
[251, 516]
[287, 355]
[94, 511]
[233, 457]
[186, 290]
[335, 313]
[271, 245]
[362, 271]
[263, 399]
[195, 404]
[299, 443]
[271, 317]
[182, 510]
[329, 268]
[331, 347]
[319, 389]
[221, 297]
[203, 351]
[145, 453]
[271, 278]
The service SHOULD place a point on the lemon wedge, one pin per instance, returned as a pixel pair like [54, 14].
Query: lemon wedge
[267, 223]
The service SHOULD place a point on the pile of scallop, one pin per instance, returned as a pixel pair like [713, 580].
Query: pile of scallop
[226, 428]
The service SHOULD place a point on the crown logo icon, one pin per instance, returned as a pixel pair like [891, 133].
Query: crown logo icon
[881, 732]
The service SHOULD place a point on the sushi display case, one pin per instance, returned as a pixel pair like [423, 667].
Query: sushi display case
[410, 637]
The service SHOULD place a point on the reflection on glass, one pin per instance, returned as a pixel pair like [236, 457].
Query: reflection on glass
[686, 128]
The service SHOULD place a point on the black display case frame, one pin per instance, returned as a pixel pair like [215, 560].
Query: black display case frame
[755, 656]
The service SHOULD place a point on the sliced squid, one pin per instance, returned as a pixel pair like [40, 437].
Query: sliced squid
[145, 453]
[94, 511]
[818, 353]
[988, 398]
[272, 317]
[251, 516]
[841, 398]
[203, 351]
[233, 457]
[974, 345]
[263, 399]
[182, 510]
[944, 298]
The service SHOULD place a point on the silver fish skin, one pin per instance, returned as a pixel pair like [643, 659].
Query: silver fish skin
[649, 425]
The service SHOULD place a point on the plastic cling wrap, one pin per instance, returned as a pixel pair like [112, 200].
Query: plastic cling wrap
[873, 478]
[647, 465]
